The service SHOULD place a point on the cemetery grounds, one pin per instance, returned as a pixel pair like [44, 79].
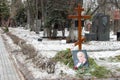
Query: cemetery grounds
[105, 53]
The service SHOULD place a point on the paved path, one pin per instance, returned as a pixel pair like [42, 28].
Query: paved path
[7, 69]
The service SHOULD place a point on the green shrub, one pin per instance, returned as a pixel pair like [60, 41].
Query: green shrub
[5, 29]
[96, 70]
[65, 56]
[91, 62]
[100, 72]
[118, 57]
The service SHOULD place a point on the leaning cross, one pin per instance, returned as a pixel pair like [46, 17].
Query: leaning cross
[79, 9]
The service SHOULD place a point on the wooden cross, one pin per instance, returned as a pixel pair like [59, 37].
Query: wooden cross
[79, 9]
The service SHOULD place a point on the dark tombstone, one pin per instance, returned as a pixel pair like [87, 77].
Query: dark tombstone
[90, 36]
[118, 36]
[101, 27]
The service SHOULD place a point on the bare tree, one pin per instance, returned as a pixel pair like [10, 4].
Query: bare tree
[31, 13]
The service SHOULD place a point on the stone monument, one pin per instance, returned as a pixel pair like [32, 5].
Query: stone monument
[100, 29]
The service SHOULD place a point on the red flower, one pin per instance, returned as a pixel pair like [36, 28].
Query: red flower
[75, 68]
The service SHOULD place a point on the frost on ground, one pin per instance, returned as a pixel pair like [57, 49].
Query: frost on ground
[48, 48]
[60, 69]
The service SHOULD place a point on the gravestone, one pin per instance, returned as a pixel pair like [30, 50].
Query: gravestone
[100, 27]
[118, 36]
[90, 36]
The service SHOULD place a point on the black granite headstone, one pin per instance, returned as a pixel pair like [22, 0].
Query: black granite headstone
[100, 26]
[118, 36]
[90, 36]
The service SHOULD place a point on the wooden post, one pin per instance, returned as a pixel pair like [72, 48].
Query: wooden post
[79, 9]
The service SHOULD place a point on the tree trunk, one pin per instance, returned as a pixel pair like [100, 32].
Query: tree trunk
[28, 19]
[36, 26]
[32, 22]
[71, 37]
[54, 35]
[49, 33]
[30, 6]
[63, 32]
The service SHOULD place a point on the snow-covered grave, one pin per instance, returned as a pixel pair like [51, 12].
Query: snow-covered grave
[49, 48]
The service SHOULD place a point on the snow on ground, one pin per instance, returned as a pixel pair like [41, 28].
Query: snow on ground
[31, 37]
[48, 48]
[37, 73]
[104, 54]
[44, 75]
[57, 45]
